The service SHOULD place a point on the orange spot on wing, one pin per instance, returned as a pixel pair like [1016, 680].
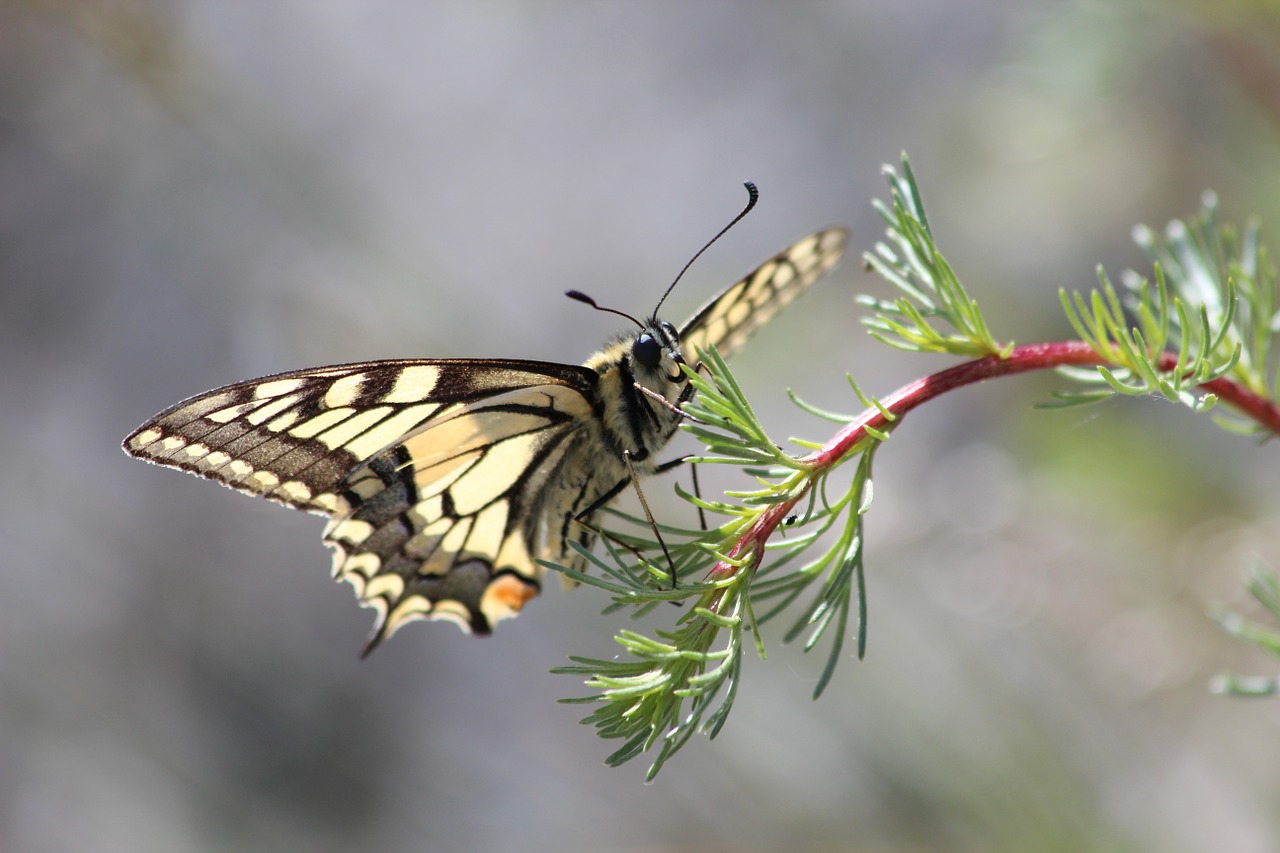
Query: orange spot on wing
[505, 596]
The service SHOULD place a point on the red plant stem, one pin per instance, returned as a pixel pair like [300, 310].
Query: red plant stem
[1020, 360]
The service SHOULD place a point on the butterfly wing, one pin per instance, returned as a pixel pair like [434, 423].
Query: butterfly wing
[729, 319]
[433, 472]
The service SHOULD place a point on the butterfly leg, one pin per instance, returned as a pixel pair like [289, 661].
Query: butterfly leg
[583, 516]
[644, 504]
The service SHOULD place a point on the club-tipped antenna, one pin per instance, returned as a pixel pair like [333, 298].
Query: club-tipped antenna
[582, 297]
[753, 195]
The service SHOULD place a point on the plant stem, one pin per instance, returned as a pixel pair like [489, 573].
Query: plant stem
[1020, 359]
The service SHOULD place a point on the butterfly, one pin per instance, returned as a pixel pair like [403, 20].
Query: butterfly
[446, 480]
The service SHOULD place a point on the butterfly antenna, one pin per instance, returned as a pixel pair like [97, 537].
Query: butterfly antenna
[582, 297]
[753, 195]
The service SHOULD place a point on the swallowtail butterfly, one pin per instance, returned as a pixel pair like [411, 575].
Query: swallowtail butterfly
[445, 480]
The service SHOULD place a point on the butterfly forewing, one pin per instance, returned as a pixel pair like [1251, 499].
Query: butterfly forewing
[729, 319]
[292, 437]
[446, 480]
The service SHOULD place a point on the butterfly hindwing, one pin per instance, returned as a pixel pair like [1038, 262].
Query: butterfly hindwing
[449, 522]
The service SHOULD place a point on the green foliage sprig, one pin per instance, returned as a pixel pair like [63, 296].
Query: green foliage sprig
[684, 680]
[1265, 587]
[1200, 332]
[932, 298]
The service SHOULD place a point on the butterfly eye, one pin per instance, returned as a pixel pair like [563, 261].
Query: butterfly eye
[647, 350]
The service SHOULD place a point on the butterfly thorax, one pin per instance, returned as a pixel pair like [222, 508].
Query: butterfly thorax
[641, 387]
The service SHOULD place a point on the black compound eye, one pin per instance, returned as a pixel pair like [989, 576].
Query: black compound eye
[646, 350]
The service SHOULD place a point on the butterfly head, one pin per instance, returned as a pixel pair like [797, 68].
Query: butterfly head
[644, 371]
[655, 353]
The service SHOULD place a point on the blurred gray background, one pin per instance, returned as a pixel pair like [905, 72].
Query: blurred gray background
[197, 193]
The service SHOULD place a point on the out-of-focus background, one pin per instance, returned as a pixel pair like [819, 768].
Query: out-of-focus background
[196, 193]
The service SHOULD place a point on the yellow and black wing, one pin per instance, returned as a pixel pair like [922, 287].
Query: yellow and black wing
[430, 471]
[733, 316]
